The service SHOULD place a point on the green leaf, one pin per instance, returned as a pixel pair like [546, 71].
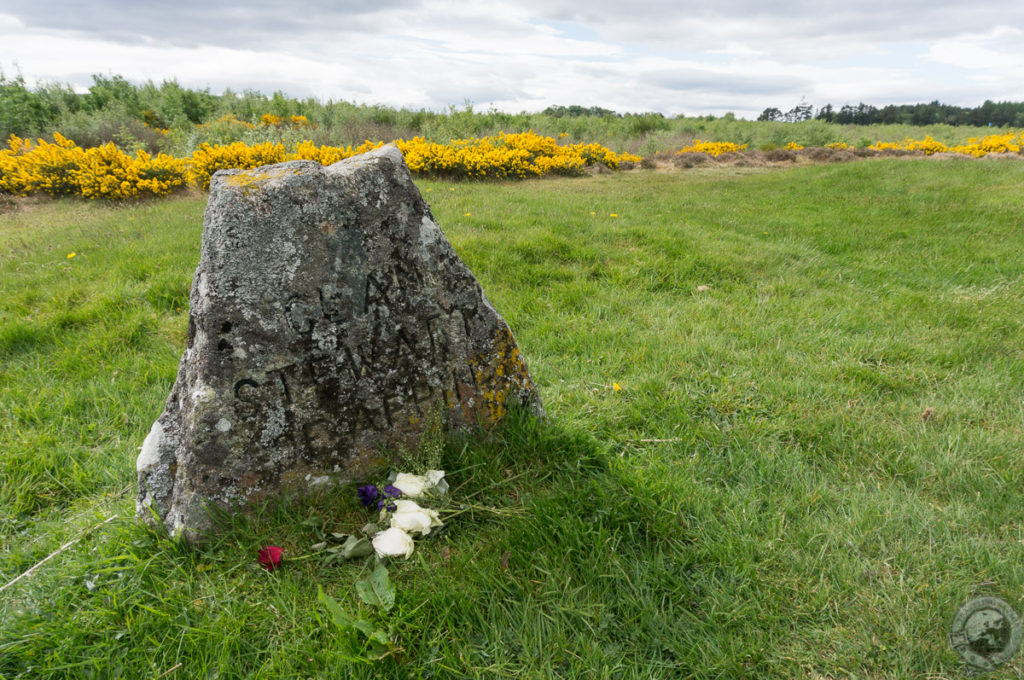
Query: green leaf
[356, 547]
[377, 589]
[364, 627]
[370, 529]
[378, 644]
[341, 618]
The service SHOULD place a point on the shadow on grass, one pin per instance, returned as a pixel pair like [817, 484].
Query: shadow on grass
[573, 570]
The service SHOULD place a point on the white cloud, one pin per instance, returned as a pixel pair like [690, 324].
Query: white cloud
[737, 55]
[998, 51]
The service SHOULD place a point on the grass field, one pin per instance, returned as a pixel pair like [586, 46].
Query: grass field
[763, 497]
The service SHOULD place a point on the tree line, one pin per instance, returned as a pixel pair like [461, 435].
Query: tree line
[996, 114]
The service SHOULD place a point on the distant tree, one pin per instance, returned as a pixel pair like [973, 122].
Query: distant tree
[21, 111]
[799, 113]
[577, 111]
[109, 92]
[826, 113]
[641, 123]
[770, 114]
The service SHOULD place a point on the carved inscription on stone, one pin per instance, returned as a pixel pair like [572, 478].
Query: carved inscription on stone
[329, 317]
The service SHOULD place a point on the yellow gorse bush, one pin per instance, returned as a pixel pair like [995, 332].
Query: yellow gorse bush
[65, 169]
[712, 148]
[326, 155]
[228, 120]
[1011, 142]
[209, 158]
[927, 145]
[524, 154]
[107, 172]
[62, 168]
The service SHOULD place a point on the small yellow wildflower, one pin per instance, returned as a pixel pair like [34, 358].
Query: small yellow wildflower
[592, 212]
[615, 214]
[616, 386]
[467, 215]
[451, 188]
[71, 255]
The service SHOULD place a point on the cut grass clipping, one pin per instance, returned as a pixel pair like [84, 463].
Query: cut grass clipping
[784, 440]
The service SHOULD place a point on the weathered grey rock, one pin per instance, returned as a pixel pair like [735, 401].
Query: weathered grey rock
[329, 316]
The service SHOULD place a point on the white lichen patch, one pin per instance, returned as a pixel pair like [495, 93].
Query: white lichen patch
[150, 452]
[318, 482]
[203, 394]
[273, 425]
[430, 233]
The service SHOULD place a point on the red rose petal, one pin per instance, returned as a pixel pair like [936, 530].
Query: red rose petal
[270, 557]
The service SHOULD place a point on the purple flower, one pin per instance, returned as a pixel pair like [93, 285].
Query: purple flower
[392, 491]
[367, 494]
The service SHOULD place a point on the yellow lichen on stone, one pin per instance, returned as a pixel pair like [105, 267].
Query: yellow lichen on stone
[252, 179]
[498, 375]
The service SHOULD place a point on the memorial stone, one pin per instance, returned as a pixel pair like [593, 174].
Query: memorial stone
[330, 317]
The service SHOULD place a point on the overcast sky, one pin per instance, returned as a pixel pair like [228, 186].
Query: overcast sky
[672, 56]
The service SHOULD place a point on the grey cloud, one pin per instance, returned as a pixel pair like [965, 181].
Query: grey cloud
[696, 80]
[708, 81]
[670, 21]
[189, 23]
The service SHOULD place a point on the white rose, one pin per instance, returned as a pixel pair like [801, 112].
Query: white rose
[410, 517]
[435, 481]
[393, 542]
[414, 486]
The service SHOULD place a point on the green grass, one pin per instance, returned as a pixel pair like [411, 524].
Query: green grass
[760, 499]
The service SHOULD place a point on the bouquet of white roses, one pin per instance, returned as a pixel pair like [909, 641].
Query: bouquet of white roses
[402, 518]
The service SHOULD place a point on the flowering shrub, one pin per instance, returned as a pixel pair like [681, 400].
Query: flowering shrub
[519, 155]
[711, 148]
[65, 169]
[270, 120]
[62, 168]
[27, 168]
[928, 146]
[1010, 142]
[1006, 143]
[208, 159]
[793, 146]
[326, 155]
[227, 120]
